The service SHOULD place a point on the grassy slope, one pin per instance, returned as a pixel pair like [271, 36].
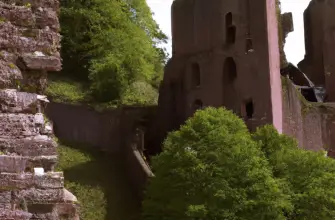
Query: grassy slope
[99, 184]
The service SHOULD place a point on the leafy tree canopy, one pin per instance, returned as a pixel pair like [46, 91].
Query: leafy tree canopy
[112, 43]
[213, 168]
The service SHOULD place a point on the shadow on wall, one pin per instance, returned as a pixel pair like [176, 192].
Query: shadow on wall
[114, 132]
[102, 173]
[109, 130]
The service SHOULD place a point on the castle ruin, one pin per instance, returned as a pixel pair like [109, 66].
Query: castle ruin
[225, 53]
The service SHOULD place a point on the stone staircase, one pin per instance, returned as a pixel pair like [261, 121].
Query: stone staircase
[29, 47]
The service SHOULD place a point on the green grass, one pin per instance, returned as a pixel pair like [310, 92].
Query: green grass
[98, 181]
[66, 90]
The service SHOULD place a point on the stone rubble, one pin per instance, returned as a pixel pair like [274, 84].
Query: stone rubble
[29, 48]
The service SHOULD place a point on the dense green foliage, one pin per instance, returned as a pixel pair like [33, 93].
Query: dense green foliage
[308, 177]
[111, 44]
[98, 182]
[213, 168]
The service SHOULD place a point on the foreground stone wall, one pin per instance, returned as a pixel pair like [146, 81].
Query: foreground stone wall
[29, 47]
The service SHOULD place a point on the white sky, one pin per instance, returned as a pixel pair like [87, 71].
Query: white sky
[294, 48]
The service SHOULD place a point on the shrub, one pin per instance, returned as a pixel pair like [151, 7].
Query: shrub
[140, 93]
[212, 169]
[66, 90]
[309, 176]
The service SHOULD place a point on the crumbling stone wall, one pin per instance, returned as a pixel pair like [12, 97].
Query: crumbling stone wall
[221, 52]
[29, 47]
[318, 63]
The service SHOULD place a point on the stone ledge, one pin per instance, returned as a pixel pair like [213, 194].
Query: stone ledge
[51, 180]
[40, 196]
[30, 146]
[47, 162]
[6, 214]
[22, 40]
[48, 63]
[35, 4]
[23, 16]
[22, 125]
[19, 164]
[12, 101]
[17, 15]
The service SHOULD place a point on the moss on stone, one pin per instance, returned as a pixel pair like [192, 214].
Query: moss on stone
[284, 84]
[12, 65]
[30, 33]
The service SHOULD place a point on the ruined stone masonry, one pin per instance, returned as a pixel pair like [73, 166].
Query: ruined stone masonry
[225, 53]
[29, 47]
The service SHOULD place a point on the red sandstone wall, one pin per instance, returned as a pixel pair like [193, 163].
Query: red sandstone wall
[310, 123]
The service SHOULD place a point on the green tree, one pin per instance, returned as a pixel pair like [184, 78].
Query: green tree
[309, 176]
[111, 43]
[212, 169]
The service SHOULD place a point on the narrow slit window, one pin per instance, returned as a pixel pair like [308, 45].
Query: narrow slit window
[229, 69]
[230, 29]
[249, 109]
[196, 76]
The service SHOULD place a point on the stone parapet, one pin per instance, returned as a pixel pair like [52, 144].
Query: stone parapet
[29, 48]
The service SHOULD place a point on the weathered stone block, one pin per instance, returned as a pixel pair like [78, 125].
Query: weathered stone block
[9, 74]
[47, 162]
[20, 40]
[10, 181]
[6, 214]
[19, 125]
[54, 4]
[10, 164]
[68, 211]
[5, 197]
[18, 164]
[13, 101]
[48, 63]
[17, 15]
[46, 17]
[29, 146]
[39, 196]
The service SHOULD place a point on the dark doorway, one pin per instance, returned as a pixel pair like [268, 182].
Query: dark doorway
[249, 109]
[229, 69]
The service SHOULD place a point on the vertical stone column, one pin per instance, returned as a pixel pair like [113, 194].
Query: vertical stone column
[274, 65]
[29, 48]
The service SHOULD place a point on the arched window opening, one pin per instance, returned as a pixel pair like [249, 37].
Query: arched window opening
[249, 109]
[197, 104]
[229, 69]
[196, 77]
[230, 29]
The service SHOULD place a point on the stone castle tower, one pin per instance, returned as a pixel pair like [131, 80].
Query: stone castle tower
[319, 63]
[225, 53]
